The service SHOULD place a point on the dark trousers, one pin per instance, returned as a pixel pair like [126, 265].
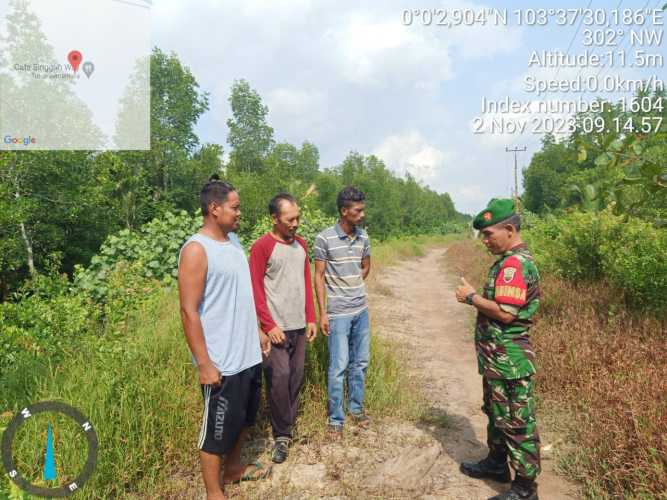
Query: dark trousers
[284, 377]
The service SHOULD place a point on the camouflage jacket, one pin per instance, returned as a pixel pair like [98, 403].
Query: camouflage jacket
[504, 350]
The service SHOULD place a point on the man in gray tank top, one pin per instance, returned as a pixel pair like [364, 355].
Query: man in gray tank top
[220, 324]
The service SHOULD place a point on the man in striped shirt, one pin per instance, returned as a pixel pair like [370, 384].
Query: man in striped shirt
[342, 263]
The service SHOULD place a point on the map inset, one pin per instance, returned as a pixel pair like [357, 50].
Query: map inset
[74, 74]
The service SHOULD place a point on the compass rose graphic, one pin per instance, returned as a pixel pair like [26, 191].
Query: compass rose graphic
[33, 461]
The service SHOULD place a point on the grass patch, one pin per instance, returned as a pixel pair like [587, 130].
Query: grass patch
[139, 392]
[390, 252]
[605, 369]
[136, 384]
[436, 417]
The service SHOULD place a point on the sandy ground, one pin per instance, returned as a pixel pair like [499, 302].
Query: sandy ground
[413, 305]
[424, 314]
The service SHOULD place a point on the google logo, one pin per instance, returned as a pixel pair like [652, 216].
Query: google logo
[8, 139]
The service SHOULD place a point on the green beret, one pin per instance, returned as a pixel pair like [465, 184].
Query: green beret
[496, 211]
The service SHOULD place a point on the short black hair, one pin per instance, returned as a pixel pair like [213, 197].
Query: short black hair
[274, 204]
[347, 196]
[515, 220]
[214, 190]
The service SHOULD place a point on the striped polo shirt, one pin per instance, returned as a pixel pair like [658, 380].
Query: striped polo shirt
[346, 292]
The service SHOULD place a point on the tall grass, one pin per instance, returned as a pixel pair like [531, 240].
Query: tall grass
[602, 375]
[139, 394]
[136, 384]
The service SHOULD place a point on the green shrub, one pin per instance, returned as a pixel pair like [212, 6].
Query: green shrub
[153, 252]
[568, 246]
[118, 380]
[44, 327]
[634, 256]
[626, 252]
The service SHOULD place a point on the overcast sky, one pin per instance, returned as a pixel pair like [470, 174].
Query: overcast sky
[351, 76]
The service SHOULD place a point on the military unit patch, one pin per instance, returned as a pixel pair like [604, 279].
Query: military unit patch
[508, 274]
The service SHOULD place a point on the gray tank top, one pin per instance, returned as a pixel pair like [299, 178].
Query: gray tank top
[227, 308]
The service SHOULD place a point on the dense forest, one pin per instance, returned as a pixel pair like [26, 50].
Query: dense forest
[57, 207]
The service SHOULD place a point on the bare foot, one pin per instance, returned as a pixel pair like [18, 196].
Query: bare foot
[247, 472]
[216, 496]
[233, 475]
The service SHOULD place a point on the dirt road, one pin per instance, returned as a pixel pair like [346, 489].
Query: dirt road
[413, 305]
[422, 313]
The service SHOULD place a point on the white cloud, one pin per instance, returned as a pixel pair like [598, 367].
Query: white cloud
[292, 102]
[470, 194]
[482, 40]
[350, 76]
[387, 52]
[299, 114]
[411, 153]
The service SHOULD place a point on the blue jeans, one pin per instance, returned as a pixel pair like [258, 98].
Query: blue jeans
[349, 350]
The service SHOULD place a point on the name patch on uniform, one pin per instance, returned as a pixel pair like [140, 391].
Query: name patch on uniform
[511, 292]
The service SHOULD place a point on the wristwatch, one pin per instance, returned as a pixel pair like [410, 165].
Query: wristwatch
[469, 298]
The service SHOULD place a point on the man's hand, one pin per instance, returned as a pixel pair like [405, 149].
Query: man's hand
[209, 374]
[463, 290]
[265, 343]
[311, 332]
[324, 324]
[276, 335]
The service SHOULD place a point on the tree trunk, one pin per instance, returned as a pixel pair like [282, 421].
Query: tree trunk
[28, 248]
[24, 232]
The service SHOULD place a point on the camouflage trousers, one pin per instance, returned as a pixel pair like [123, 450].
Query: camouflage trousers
[512, 429]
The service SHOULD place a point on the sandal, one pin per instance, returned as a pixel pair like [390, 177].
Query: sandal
[254, 472]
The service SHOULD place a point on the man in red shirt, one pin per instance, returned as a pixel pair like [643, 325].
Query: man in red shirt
[280, 272]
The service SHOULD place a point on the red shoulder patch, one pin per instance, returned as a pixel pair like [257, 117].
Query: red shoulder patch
[510, 287]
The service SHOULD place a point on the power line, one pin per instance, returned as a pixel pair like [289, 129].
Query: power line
[603, 68]
[594, 48]
[146, 4]
[567, 52]
[581, 20]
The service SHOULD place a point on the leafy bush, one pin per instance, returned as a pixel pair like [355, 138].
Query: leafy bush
[45, 327]
[628, 253]
[153, 251]
[568, 246]
[452, 227]
[634, 257]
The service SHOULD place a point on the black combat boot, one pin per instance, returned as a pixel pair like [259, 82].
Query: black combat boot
[522, 489]
[492, 467]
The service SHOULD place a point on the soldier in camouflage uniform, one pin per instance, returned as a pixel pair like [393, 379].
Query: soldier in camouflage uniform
[505, 357]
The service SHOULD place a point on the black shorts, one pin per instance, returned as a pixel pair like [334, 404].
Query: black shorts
[228, 408]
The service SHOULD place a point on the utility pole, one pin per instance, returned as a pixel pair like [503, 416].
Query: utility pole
[516, 175]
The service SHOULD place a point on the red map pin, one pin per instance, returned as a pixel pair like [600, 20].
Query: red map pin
[75, 59]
